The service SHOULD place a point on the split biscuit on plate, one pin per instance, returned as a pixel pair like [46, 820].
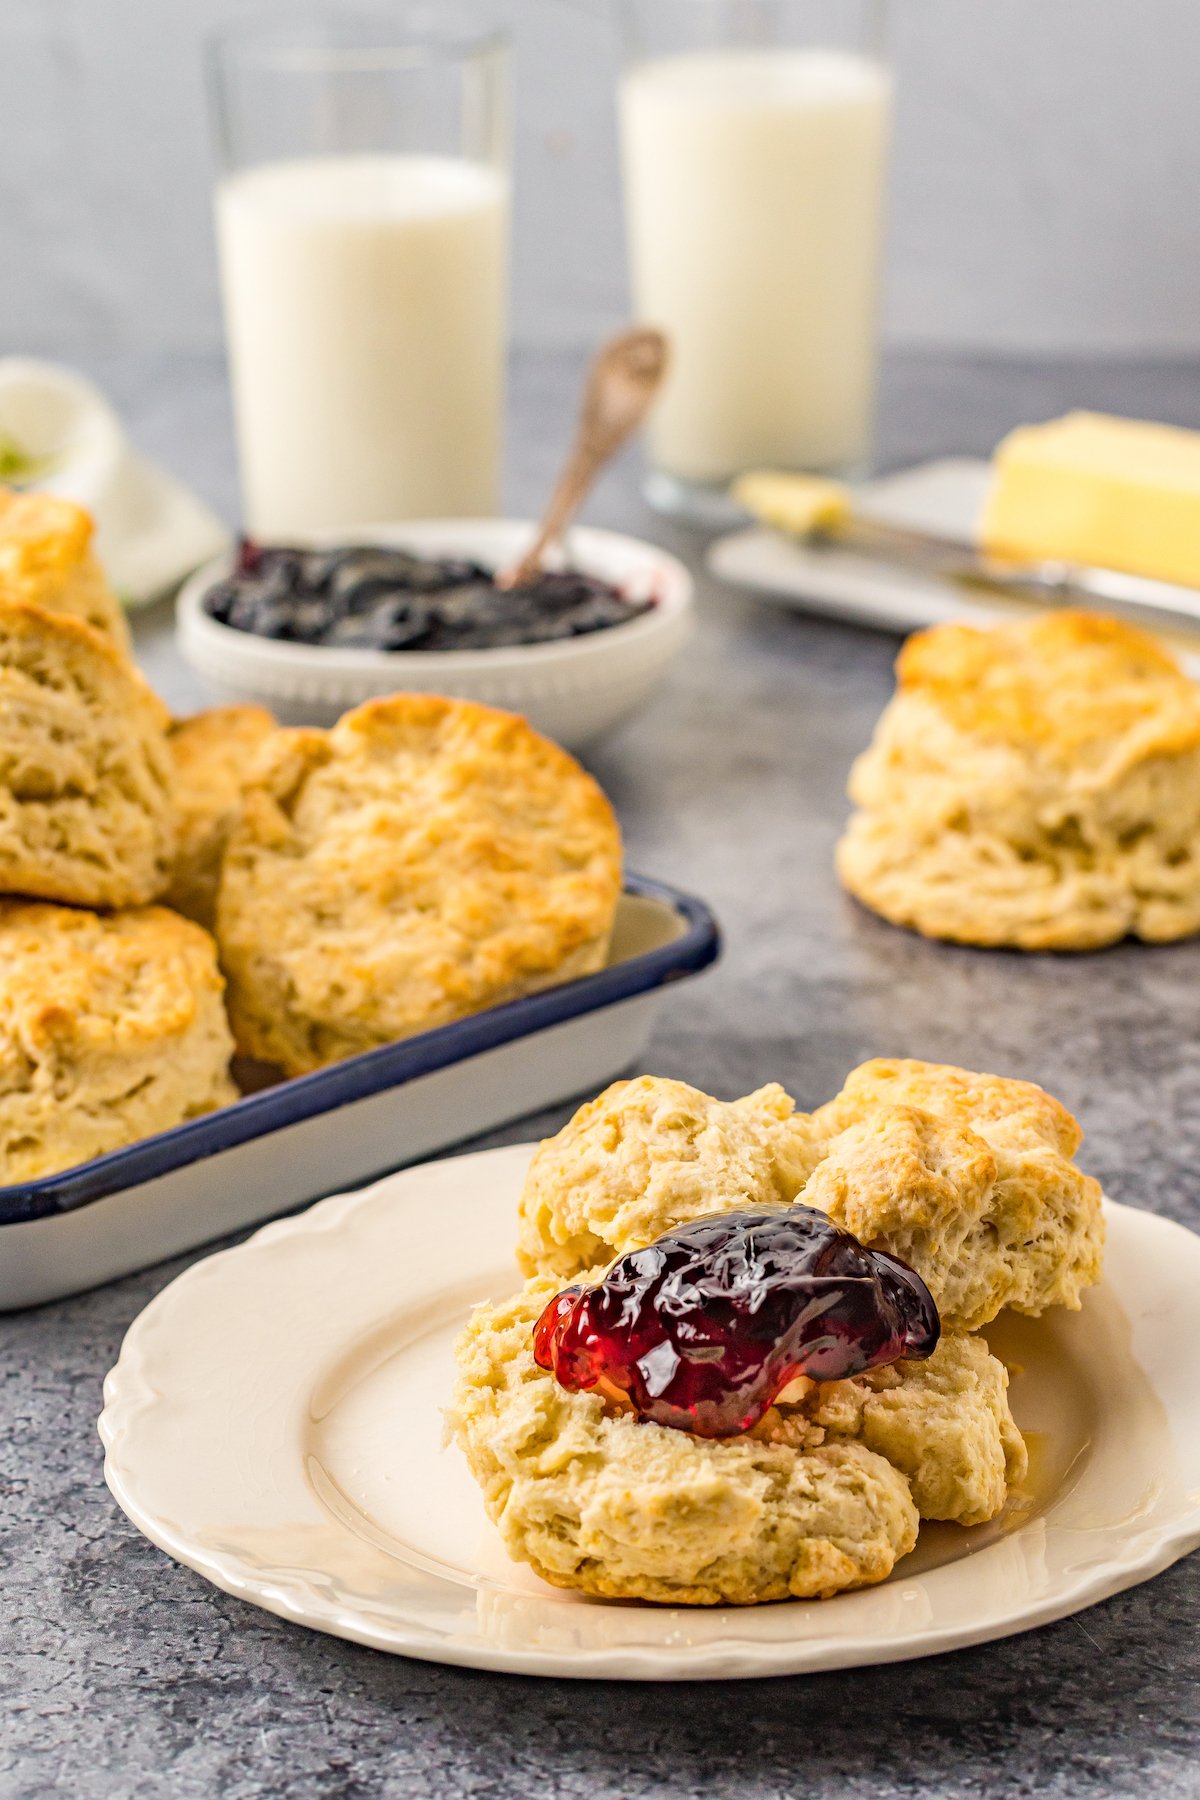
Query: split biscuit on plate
[111, 1028]
[424, 859]
[46, 557]
[1036, 785]
[213, 755]
[967, 1178]
[86, 813]
[826, 1494]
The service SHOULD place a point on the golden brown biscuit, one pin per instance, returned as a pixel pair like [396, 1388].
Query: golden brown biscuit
[111, 1028]
[86, 813]
[1035, 785]
[651, 1153]
[424, 859]
[46, 557]
[611, 1506]
[213, 755]
[969, 1179]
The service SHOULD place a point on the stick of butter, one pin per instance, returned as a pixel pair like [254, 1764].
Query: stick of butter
[1113, 493]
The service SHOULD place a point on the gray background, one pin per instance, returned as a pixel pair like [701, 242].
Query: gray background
[125, 1677]
[1046, 177]
[1046, 173]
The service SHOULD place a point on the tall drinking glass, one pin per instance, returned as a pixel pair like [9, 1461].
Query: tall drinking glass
[754, 148]
[362, 226]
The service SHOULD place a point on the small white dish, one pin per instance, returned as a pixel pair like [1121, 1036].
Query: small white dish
[151, 531]
[573, 691]
[945, 498]
[274, 1422]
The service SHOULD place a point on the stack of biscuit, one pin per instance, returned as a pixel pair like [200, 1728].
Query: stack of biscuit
[111, 1017]
[424, 859]
[967, 1178]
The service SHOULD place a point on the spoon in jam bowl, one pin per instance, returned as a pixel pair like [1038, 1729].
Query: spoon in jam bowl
[623, 379]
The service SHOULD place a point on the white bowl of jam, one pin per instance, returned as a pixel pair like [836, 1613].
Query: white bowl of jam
[318, 625]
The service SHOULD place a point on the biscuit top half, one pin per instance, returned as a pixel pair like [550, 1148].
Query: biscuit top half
[416, 787]
[41, 536]
[39, 645]
[46, 557]
[1065, 684]
[966, 1177]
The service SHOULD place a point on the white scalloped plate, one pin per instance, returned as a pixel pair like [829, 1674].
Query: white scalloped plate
[274, 1423]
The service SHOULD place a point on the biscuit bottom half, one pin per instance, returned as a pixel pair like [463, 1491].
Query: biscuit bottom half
[827, 1494]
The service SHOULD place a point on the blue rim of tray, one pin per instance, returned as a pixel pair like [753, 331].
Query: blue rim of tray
[359, 1077]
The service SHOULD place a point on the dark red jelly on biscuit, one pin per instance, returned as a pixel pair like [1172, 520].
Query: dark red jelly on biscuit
[703, 1328]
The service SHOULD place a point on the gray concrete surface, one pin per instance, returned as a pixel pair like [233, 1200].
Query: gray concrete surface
[1047, 159]
[124, 1676]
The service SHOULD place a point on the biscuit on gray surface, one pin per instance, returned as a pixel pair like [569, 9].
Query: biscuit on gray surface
[1036, 786]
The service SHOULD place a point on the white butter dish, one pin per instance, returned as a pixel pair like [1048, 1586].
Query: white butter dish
[943, 498]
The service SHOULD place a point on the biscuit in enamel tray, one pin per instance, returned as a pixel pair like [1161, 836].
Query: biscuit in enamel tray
[86, 807]
[46, 557]
[111, 1029]
[424, 859]
[212, 755]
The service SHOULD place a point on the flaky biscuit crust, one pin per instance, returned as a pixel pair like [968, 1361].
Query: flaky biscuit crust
[614, 1507]
[213, 757]
[424, 859]
[945, 1423]
[46, 557]
[653, 1149]
[86, 813]
[968, 1178]
[1036, 786]
[111, 1028]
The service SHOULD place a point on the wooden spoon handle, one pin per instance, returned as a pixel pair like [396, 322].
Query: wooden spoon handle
[622, 381]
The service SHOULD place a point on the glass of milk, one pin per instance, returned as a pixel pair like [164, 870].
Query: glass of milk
[754, 138]
[362, 225]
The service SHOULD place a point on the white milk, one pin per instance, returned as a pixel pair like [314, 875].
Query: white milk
[365, 312]
[754, 186]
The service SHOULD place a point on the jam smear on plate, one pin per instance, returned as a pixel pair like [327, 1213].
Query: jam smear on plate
[370, 597]
[704, 1328]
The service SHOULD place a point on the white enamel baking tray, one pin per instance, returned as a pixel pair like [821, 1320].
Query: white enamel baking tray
[334, 1129]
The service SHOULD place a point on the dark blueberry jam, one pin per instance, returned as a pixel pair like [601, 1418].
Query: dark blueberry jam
[365, 597]
[705, 1327]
